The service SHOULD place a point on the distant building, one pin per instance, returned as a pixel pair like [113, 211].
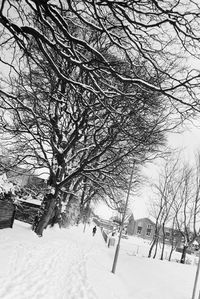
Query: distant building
[29, 202]
[145, 228]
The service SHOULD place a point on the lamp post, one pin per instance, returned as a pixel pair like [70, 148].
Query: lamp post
[122, 224]
[196, 280]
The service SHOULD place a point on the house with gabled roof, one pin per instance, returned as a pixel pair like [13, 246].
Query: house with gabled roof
[145, 228]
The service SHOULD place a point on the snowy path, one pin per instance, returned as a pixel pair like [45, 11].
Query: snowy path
[70, 264]
[44, 277]
[53, 269]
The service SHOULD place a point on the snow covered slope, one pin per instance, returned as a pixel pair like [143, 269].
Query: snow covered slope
[70, 264]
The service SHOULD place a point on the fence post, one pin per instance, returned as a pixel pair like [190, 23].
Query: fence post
[13, 217]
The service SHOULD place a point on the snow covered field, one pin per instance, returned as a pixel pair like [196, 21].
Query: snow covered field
[70, 264]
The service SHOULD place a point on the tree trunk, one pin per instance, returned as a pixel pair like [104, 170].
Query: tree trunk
[173, 245]
[155, 241]
[56, 217]
[183, 256]
[152, 246]
[49, 207]
[163, 242]
[163, 248]
[170, 255]
[154, 256]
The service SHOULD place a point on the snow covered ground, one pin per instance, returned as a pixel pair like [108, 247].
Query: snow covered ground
[70, 264]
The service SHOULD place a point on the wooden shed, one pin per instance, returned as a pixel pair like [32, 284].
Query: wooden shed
[27, 210]
[7, 213]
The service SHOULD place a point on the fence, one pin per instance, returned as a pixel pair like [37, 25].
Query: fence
[109, 240]
[27, 211]
[105, 236]
[7, 214]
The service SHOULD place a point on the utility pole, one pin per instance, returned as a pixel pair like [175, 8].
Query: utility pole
[196, 279]
[122, 223]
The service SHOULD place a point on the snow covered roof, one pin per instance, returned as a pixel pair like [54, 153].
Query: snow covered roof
[31, 200]
[144, 219]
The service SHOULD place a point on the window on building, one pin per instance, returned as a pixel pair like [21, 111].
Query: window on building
[149, 228]
[148, 233]
[139, 230]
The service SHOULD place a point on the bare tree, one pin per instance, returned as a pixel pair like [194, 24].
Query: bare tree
[179, 205]
[77, 137]
[189, 209]
[176, 236]
[165, 192]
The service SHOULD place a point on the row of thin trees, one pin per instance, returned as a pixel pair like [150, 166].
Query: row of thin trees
[176, 205]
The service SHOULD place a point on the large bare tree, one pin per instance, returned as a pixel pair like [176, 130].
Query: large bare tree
[76, 136]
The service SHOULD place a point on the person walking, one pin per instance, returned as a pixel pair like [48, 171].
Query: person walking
[94, 230]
